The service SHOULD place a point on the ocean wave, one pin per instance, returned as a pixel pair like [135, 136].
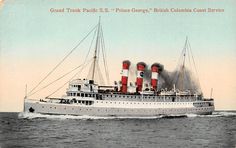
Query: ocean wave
[27, 115]
[215, 114]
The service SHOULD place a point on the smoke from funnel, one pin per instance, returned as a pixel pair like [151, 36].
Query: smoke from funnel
[148, 72]
[182, 81]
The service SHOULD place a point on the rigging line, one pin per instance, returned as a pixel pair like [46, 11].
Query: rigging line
[96, 48]
[90, 45]
[100, 76]
[195, 68]
[56, 79]
[85, 66]
[183, 75]
[104, 56]
[89, 76]
[188, 53]
[99, 43]
[176, 77]
[62, 60]
[69, 71]
[67, 81]
[190, 65]
[104, 63]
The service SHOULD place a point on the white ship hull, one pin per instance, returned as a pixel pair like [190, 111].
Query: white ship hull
[120, 108]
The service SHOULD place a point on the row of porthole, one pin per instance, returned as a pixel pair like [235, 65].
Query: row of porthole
[146, 97]
[143, 110]
[200, 103]
[166, 98]
[65, 108]
[148, 103]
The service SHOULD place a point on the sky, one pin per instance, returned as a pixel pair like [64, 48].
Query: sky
[33, 40]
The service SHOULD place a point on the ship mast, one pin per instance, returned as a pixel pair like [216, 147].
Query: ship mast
[96, 49]
[183, 65]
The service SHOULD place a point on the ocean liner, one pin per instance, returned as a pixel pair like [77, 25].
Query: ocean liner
[123, 98]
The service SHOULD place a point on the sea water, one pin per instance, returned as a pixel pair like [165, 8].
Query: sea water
[38, 130]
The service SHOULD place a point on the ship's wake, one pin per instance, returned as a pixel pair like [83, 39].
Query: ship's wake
[215, 114]
[26, 115]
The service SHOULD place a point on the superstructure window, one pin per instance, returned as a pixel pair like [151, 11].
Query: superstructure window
[86, 95]
[82, 94]
[90, 102]
[79, 87]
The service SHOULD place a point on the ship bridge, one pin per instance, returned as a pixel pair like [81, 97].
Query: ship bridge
[82, 86]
